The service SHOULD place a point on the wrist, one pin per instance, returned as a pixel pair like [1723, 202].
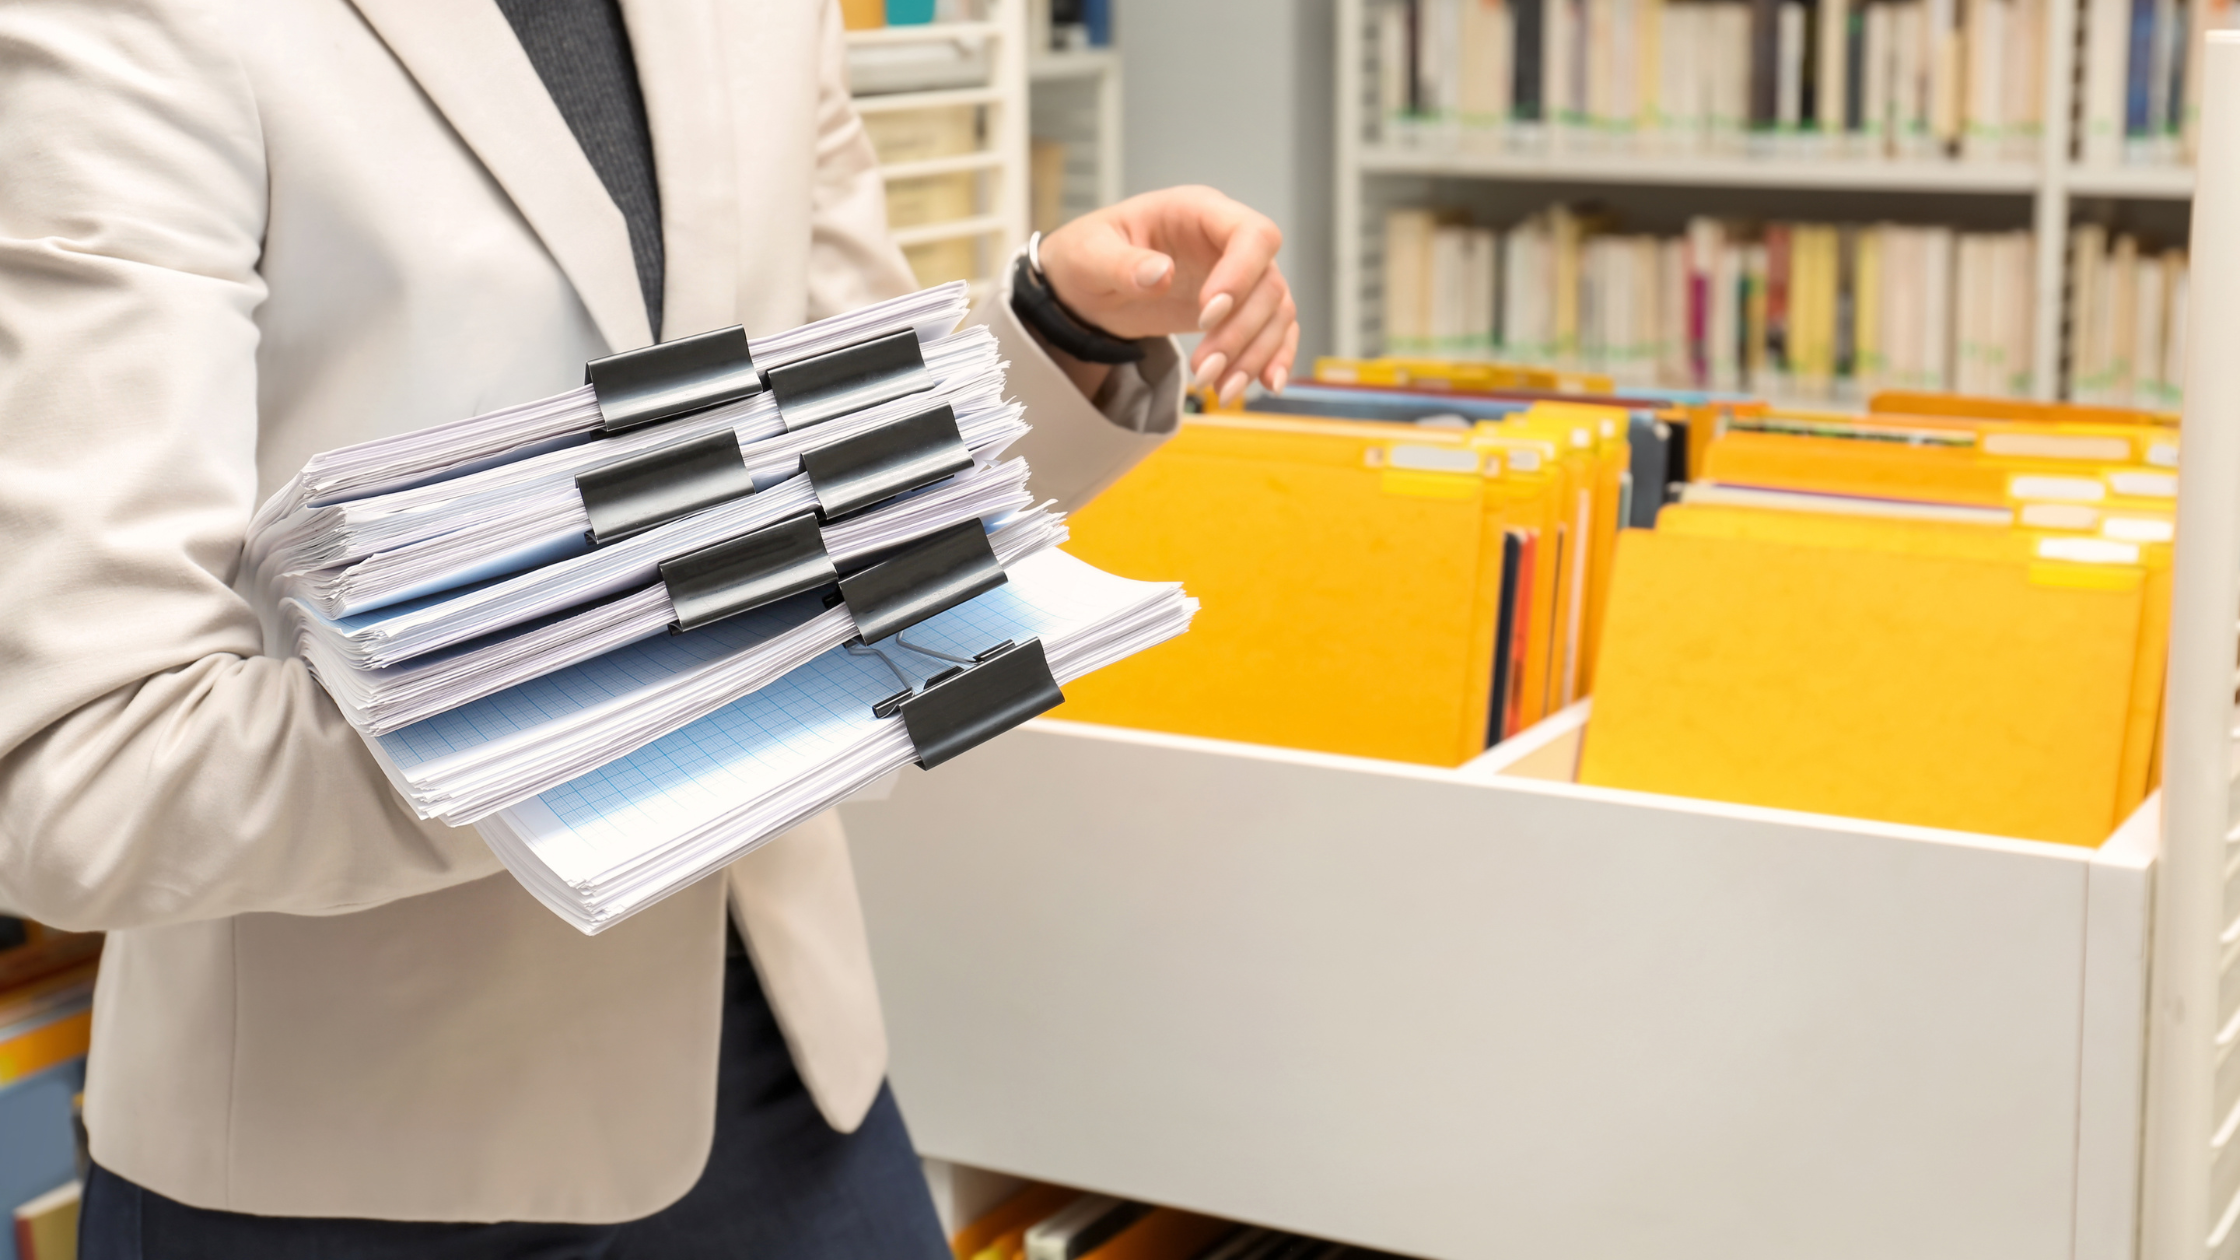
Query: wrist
[1089, 378]
[1057, 325]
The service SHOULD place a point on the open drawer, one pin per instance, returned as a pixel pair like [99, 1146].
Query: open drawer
[1471, 1012]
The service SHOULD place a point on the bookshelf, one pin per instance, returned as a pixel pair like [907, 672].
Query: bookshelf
[954, 156]
[1076, 102]
[1763, 178]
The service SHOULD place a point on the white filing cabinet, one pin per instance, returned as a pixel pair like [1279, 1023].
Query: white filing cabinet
[1460, 1013]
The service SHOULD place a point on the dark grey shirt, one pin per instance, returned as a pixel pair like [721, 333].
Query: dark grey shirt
[582, 52]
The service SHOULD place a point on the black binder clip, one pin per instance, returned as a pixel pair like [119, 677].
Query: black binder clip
[746, 572]
[632, 495]
[925, 578]
[929, 577]
[968, 704]
[657, 382]
[853, 473]
[635, 494]
[850, 379]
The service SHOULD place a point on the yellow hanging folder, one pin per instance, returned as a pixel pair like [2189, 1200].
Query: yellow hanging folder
[1350, 580]
[1002, 1230]
[1912, 671]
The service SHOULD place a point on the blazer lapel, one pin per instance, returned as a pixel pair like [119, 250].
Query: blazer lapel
[679, 50]
[466, 58]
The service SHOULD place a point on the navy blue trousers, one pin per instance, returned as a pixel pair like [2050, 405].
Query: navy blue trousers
[779, 1185]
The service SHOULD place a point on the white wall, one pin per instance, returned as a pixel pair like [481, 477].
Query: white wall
[1238, 94]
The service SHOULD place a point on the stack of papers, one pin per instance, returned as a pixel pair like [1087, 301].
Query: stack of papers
[630, 659]
[465, 446]
[362, 554]
[357, 657]
[609, 843]
[475, 759]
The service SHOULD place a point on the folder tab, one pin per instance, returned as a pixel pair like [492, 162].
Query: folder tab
[849, 379]
[638, 387]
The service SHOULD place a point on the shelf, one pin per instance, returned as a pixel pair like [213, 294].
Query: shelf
[1705, 171]
[1079, 64]
[984, 160]
[923, 233]
[2172, 183]
[892, 101]
[924, 33]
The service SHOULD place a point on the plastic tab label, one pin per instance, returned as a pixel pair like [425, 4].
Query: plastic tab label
[658, 382]
[850, 379]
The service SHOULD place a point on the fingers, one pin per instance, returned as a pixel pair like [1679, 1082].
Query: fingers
[1238, 335]
[1259, 356]
[1248, 241]
[1278, 374]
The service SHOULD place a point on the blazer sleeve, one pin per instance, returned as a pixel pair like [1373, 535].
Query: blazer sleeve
[153, 767]
[1079, 445]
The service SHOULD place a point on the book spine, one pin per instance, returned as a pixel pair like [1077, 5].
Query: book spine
[1878, 60]
[1779, 256]
[1789, 103]
[2106, 55]
[1765, 63]
[1855, 71]
[1831, 87]
[1527, 43]
[1946, 48]
[2138, 90]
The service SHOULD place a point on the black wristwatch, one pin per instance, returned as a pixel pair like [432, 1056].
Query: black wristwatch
[1038, 307]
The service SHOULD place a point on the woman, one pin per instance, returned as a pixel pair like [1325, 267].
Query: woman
[237, 232]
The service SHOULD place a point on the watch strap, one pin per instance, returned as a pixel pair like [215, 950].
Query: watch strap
[1038, 307]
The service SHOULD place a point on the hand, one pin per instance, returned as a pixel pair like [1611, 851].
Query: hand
[1183, 260]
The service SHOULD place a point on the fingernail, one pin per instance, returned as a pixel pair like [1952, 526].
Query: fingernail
[1210, 370]
[1233, 389]
[1215, 311]
[1277, 379]
[1150, 272]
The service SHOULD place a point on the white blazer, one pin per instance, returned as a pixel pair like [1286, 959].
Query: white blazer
[234, 233]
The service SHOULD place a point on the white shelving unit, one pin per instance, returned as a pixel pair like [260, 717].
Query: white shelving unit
[1491, 1012]
[1372, 175]
[1076, 101]
[999, 218]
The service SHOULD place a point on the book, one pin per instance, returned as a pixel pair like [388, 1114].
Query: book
[38, 1150]
[46, 1227]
